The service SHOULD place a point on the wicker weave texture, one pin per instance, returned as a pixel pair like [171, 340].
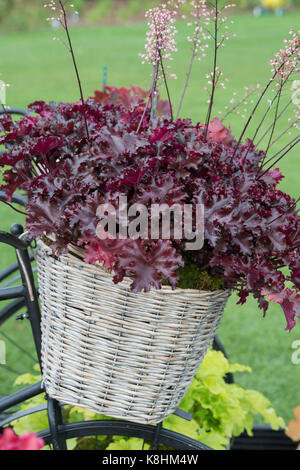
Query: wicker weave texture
[121, 354]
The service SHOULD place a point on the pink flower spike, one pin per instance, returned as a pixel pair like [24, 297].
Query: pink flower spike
[160, 36]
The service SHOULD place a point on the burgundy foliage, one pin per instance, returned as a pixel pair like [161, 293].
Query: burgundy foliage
[252, 229]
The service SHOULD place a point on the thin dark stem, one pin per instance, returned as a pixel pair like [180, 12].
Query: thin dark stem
[290, 208]
[270, 127]
[16, 210]
[151, 94]
[281, 150]
[254, 110]
[211, 101]
[274, 123]
[276, 72]
[284, 132]
[166, 84]
[76, 68]
[278, 159]
[278, 94]
[188, 75]
[238, 104]
[144, 113]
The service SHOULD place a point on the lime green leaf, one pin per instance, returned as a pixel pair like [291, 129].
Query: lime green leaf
[81, 414]
[27, 379]
[127, 444]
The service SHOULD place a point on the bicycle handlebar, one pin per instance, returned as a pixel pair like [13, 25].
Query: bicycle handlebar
[18, 111]
[16, 198]
[13, 241]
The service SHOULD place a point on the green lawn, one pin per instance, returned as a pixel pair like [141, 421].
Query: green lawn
[39, 68]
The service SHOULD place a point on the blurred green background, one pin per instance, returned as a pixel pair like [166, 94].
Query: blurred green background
[111, 34]
[20, 15]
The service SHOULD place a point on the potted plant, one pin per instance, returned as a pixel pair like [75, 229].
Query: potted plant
[146, 222]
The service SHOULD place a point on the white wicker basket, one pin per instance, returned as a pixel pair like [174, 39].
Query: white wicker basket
[124, 355]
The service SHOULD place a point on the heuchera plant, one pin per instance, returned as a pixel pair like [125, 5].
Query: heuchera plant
[70, 158]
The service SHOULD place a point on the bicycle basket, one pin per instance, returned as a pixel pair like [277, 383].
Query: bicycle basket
[115, 352]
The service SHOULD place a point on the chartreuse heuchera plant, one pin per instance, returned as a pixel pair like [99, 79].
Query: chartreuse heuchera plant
[71, 158]
[220, 410]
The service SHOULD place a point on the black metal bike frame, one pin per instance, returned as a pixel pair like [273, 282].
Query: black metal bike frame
[26, 295]
[17, 111]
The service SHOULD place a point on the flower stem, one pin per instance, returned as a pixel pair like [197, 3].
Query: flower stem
[66, 28]
[278, 159]
[279, 152]
[274, 122]
[211, 101]
[188, 75]
[15, 209]
[253, 112]
[151, 94]
[166, 84]
[270, 127]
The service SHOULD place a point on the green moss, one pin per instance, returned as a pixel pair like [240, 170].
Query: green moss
[190, 277]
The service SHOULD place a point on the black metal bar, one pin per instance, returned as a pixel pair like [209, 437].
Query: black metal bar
[9, 270]
[14, 267]
[55, 420]
[31, 299]
[157, 434]
[10, 309]
[124, 428]
[183, 414]
[13, 241]
[11, 281]
[20, 396]
[17, 111]
[8, 293]
[30, 295]
[16, 198]
[21, 414]
[218, 346]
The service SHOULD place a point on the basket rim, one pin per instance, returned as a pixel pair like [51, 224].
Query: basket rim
[77, 254]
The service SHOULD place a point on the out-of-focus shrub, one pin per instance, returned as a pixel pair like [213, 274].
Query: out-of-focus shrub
[20, 15]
